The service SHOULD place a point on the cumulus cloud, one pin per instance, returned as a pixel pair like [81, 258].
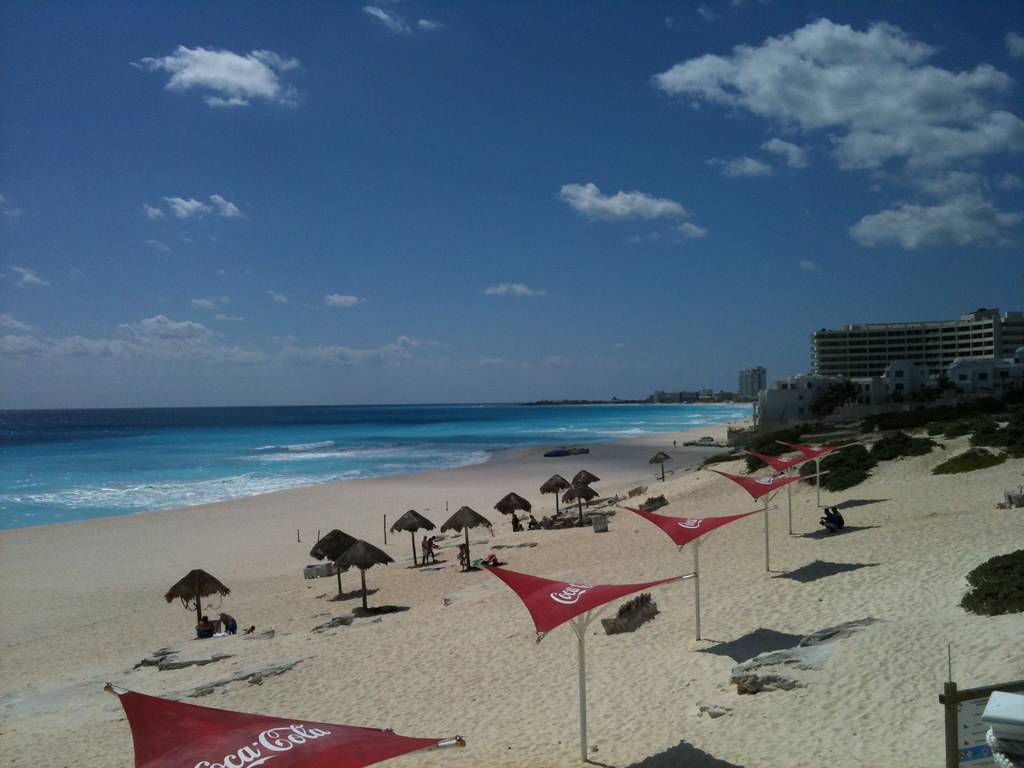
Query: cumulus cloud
[809, 266]
[429, 25]
[277, 298]
[964, 220]
[706, 13]
[738, 167]
[185, 208]
[152, 212]
[28, 276]
[338, 300]
[948, 184]
[225, 78]
[225, 208]
[399, 349]
[873, 92]
[589, 201]
[795, 157]
[690, 231]
[156, 245]
[514, 289]
[1015, 45]
[9, 323]
[211, 302]
[1009, 181]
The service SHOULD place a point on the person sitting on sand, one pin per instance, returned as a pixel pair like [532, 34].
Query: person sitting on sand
[228, 624]
[250, 630]
[516, 525]
[464, 556]
[838, 517]
[204, 628]
[533, 525]
[833, 521]
[490, 560]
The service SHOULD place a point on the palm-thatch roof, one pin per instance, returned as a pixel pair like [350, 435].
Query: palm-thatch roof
[412, 521]
[363, 555]
[331, 545]
[513, 502]
[465, 518]
[554, 484]
[659, 458]
[197, 583]
[584, 492]
[585, 478]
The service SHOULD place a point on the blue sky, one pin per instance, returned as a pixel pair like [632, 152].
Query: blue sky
[251, 203]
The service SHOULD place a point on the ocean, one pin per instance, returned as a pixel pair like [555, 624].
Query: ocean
[62, 466]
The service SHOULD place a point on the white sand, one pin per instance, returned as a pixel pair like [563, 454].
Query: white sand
[82, 603]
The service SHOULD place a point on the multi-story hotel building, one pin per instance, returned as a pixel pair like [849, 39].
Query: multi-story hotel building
[752, 381]
[866, 350]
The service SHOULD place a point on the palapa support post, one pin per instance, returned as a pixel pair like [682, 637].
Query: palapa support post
[362, 578]
[412, 535]
[663, 471]
[386, 529]
[199, 609]
[579, 626]
[696, 585]
[466, 529]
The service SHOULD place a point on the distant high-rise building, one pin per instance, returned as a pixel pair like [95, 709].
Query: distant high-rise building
[866, 350]
[752, 381]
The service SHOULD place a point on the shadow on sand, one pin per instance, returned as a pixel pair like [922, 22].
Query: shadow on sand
[751, 644]
[823, 534]
[683, 754]
[821, 569]
[851, 503]
[353, 595]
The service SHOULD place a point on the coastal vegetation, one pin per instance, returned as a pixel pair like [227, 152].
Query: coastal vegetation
[997, 586]
[975, 458]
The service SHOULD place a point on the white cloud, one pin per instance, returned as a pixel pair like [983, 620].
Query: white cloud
[9, 210]
[225, 208]
[8, 322]
[278, 298]
[392, 21]
[28, 276]
[513, 289]
[186, 208]
[1015, 45]
[429, 25]
[399, 349]
[156, 245]
[229, 318]
[737, 167]
[589, 201]
[211, 302]
[964, 220]
[338, 300]
[689, 231]
[152, 212]
[1009, 181]
[227, 79]
[706, 13]
[795, 157]
[872, 91]
[948, 184]
[809, 266]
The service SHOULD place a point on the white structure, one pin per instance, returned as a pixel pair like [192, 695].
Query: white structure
[865, 350]
[791, 398]
[752, 381]
[989, 377]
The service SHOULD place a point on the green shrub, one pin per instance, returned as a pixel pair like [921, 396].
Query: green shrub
[897, 444]
[846, 468]
[975, 458]
[718, 458]
[997, 586]
[770, 444]
[949, 428]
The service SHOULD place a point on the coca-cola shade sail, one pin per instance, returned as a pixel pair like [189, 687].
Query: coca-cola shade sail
[780, 463]
[552, 603]
[172, 734]
[760, 486]
[811, 452]
[683, 530]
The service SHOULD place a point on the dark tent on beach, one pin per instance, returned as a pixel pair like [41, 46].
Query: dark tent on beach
[412, 521]
[510, 504]
[660, 458]
[585, 478]
[331, 546]
[363, 555]
[465, 519]
[579, 494]
[196, 585]
[555, 484]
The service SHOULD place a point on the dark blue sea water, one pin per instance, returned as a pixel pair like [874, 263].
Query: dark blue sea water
[60, 466]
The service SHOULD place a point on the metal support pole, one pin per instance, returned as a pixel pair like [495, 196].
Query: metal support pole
[817, 483]
[696, 584]
[789, 499]
[579, 626]
[767, 558]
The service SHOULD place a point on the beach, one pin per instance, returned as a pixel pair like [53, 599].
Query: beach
[82, 604]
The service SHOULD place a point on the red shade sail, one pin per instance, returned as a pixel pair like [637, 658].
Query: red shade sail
[811, 452]
[683, 530]
[171, 734]
[552, 603]
[759, 486]
[780, 463]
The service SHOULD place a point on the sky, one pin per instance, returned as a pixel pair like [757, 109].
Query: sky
[214, 203]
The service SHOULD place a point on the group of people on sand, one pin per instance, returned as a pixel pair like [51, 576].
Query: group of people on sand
[833, 520]
[531, 524]
[228, 626]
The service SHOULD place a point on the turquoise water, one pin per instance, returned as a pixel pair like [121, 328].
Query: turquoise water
[61, 466]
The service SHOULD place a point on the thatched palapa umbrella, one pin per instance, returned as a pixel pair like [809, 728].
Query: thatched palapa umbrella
[508, 505]
[412, 521]
[363, 555]
[196, 585]
[465, 519]
[660, 458]
[331, 546]
[585, 478]
[555, 484]
[579, 494]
